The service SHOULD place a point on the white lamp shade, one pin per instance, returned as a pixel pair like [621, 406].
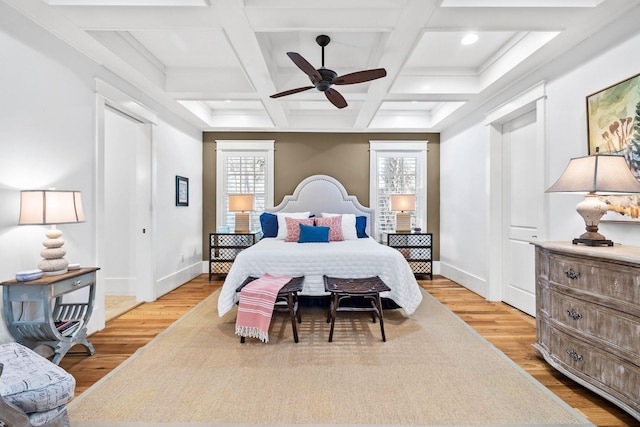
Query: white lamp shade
[601, 174]
[50, 207]
[241, 202]
[403, 202]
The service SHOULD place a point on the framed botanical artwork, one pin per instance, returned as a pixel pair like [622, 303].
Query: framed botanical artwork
[182, 191]
[613, 127]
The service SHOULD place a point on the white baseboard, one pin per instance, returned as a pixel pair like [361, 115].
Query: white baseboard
[170, 282]
[469, 281]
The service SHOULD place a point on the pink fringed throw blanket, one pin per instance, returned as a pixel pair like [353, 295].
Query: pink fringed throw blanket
[256, 306]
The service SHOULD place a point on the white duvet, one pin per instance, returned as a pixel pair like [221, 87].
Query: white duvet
[348, 259]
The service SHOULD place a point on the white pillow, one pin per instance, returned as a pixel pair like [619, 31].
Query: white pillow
[348, 225]
[282, 223]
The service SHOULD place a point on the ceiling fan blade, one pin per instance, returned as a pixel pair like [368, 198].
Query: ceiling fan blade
[304, 65]
[335, 98]
[360, 76]
[291, 91]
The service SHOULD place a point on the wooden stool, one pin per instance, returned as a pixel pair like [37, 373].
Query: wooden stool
[288, 294]
[367, 289]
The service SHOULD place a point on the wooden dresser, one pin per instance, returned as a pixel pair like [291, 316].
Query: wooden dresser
[588, 317]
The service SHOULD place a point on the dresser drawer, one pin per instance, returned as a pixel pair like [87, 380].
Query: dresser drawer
[617, 377]
[617, 282]
[70, 285]
[617, 331]
[408, 239]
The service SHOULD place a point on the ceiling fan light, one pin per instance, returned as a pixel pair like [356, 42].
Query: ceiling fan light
[470, 38]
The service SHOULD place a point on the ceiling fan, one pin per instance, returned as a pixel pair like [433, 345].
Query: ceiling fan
[323, 78]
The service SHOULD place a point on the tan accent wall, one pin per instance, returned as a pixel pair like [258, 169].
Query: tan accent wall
[344, 156]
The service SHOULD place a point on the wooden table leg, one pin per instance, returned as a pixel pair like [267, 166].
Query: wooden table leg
[334, 307]
[379, 303]
[292, 314]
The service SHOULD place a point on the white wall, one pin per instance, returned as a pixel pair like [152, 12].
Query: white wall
[178, 243]
[606, 58]
[567, 134]
[47, 113]
[464, 206]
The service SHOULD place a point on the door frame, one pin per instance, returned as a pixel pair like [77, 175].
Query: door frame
[109, 97]
[530, 100]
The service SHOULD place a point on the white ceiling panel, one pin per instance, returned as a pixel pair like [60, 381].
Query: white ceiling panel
[217, 63]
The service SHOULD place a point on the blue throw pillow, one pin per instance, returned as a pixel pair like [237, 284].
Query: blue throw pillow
[361, 226]
[269, 224]
[309, 233]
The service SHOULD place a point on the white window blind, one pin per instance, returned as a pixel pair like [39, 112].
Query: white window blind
[396, 175]
[398, 167]
[243, 167]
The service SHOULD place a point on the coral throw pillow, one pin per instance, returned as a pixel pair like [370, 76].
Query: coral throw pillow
[335, 227]
[293, 227]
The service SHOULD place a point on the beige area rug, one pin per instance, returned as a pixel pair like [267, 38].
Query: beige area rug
[433, 370]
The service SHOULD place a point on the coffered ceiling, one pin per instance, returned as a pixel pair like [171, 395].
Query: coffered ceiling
[216, 62]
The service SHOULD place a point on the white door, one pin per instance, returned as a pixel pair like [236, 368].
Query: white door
[521, 210]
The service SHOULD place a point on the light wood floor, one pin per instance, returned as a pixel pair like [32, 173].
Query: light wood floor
[508, 329]
[116, 305]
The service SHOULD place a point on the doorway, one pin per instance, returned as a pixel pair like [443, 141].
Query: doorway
[123, 204]
[517, 202]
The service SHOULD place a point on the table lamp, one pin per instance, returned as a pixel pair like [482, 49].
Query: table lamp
[42, 207]
[595, 175]
[241, 204]
[403, 205]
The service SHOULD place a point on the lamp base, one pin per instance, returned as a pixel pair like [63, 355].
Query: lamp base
[242, 222]
[53, 262]
[403, 222]
[593, 242]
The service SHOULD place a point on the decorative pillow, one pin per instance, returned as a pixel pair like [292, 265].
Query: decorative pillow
[282, 224]
[310, 234]
[335, 227]
[348, 225]
[269, 224]
[361, 226]
[293, 227]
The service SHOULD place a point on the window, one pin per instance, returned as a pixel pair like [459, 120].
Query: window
[243, 167]
[397, 167]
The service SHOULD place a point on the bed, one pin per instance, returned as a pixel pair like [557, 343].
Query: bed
[349, 258]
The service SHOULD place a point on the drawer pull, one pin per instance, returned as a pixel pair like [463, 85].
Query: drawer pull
[77, 283]
[575, 356]
[574, 314]
[572, 274]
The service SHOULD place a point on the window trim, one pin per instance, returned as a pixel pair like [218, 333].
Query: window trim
[402, 148]
[242, 146]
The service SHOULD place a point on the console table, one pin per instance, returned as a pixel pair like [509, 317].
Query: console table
[57, 324]
[588, 317]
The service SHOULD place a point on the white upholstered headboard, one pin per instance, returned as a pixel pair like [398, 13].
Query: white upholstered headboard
[322, 193]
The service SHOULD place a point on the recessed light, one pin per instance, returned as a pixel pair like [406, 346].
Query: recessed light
[470, 38]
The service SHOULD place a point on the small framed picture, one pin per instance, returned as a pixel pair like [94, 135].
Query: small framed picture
[182, 191]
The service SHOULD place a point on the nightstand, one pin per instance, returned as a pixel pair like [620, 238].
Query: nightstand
[224, 247]
[57, 323]
[416, 248]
